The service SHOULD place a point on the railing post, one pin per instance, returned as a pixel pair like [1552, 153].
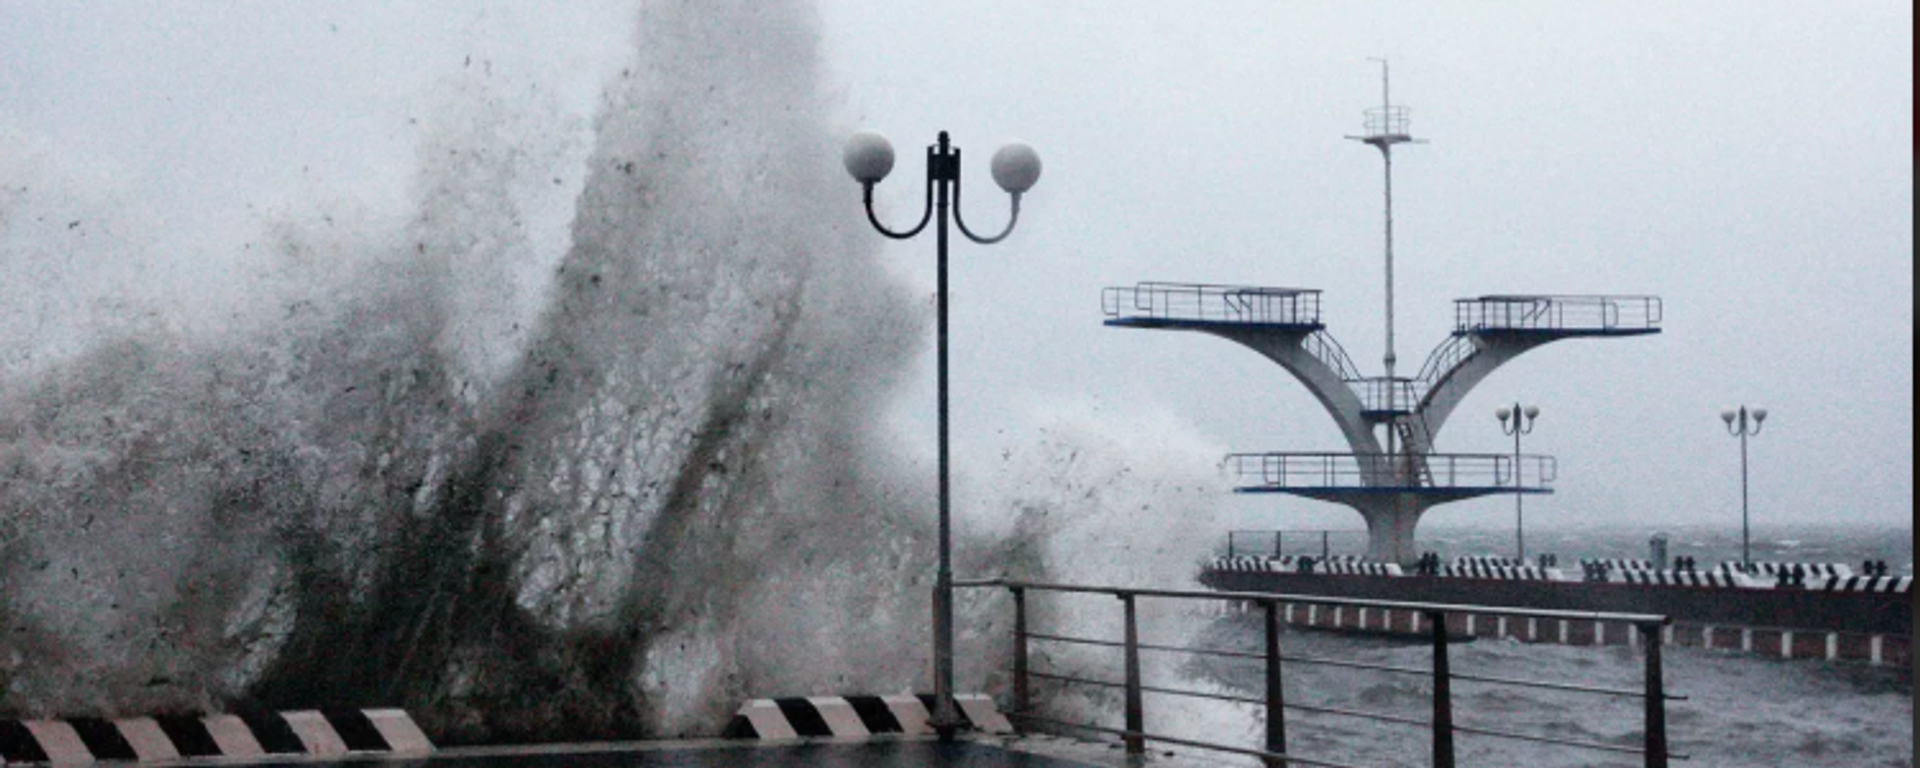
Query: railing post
[1136, 705]
[1022, 694]
[1326, 546]
[1442, 693]
[1276, 691]
[1656, 698]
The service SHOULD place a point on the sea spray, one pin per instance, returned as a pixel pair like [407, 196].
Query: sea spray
[419, 458]
[367, 492]
[1097, 500]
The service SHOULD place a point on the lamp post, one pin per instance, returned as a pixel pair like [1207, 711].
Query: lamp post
[1744, 423]
[1016, 167]
[1517, 421]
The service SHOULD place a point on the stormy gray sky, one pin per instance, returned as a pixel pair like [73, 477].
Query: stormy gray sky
[1751, 162]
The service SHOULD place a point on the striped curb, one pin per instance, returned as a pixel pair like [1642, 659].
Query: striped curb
[1288, 564]
[1616, 564]
[1773, 570]
[1360, 569]
[315, 733]
[858, 717]
[1691, 579]
[1503, 573]
[1880, 585]
[1488, 562]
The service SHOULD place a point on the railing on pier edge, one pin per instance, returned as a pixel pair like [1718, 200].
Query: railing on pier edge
[1274, 543]
[1649, 629]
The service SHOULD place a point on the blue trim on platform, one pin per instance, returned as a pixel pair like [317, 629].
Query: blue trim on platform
[1561, 333]
[1410, 489]
[1162, 323]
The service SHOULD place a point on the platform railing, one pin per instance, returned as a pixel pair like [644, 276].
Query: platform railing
[1383, 395]
[1226, 304]
[1309, 471]
[1389, 121]
[1328, 350]
[1443, 726]
[1558, 313]
[1444, 359]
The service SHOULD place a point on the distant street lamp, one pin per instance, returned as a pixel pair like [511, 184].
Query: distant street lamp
[1521, 424]
[1744, 424]
[1016, 167]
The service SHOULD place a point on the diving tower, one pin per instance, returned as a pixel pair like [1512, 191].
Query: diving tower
[1392, 474]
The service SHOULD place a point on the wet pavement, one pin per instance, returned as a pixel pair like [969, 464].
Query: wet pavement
[903, 754]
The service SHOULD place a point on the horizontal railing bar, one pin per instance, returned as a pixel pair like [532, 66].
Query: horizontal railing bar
[1588, 745]
[1276, 597]
[1353, 714]
[1226, 697]
[1280, 756]
[1566, 687]
[1075, 680]
[1080, 641]
[1489, 733]
[1316, 661]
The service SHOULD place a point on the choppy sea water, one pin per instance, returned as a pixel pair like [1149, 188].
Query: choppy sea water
[1741, 710]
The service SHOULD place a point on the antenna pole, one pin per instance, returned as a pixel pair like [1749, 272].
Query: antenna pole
[1387, 126]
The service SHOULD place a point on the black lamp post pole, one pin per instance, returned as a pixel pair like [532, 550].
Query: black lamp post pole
[1744, 424]
[1522, 424]
[943, 204]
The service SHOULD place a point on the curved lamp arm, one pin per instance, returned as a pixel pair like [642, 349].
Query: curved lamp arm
[875, 218]
[960, 220]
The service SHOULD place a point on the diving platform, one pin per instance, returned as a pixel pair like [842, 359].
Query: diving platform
[1559, 316]
[1197, 306]
[1345, 477]
[1392, 475]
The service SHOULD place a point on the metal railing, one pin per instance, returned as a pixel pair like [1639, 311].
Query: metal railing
[1194, 302]
[1558, 313]
[1274, 543]
[1655, 747]
[1444, 359]
[1305, 471]
[1383, 395]
[1328, 350]
[1389, 121]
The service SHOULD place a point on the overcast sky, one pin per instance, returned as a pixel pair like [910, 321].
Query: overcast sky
[1749, 161]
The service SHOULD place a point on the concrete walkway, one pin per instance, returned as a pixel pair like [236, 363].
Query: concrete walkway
[973, 752]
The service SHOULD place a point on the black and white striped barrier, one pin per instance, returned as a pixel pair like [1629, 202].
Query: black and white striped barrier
[1487, 562]
[313, 733]
[1250, 564]
[858, 717]
[1617, 564]
[1690, 579]
[1880, 585]
[1359, 569]
[1773, 570]
[1503, 573]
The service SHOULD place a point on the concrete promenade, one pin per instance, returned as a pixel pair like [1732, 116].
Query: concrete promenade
[893, 752]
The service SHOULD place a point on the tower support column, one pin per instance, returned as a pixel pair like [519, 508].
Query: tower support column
[1391, 520]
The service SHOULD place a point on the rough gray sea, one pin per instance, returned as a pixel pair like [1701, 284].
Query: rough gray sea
[1741, 710]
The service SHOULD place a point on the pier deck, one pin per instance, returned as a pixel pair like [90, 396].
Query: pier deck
[1038, 751]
